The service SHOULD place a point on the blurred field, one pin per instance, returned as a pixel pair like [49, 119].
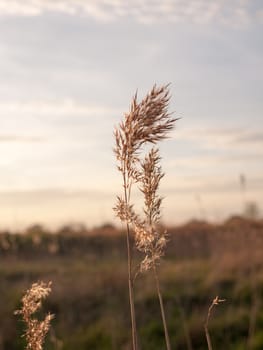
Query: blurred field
[90, 295]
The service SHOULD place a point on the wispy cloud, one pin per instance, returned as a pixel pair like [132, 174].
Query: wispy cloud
[250, 137]
[224, 11]
[206, 162]
[20, 139]
[64, 107]
[224, 138]
[220, 151]
[210, 184]
[55, 193]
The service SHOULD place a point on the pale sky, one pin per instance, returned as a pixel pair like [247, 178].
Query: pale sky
[68, 71]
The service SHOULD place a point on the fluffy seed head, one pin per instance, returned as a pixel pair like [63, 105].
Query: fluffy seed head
[147, 122]
[35, 330]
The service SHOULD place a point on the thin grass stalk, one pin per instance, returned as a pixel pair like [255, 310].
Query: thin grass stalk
[208, 339]
[130, 278]
[129, 267]
[166, 333]
[131, 290]
[215, 302]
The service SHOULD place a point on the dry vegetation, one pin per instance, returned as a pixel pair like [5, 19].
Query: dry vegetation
[148, 122]
[89, 292]
[31, 302]
[91, 297]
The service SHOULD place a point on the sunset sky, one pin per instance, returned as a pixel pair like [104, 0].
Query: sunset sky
[68, 71]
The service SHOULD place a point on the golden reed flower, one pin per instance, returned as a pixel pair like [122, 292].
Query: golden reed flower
[31, 302]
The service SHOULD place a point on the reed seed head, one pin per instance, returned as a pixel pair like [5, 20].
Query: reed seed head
[148, 122]
[31, 302]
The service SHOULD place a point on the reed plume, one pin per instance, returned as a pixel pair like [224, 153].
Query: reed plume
[31, 302]
[149, 235]
[147, 123]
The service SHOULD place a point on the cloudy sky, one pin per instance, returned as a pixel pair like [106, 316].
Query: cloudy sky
[68, 71]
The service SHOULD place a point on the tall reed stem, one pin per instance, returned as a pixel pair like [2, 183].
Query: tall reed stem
[129, 266]
[166, 333]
